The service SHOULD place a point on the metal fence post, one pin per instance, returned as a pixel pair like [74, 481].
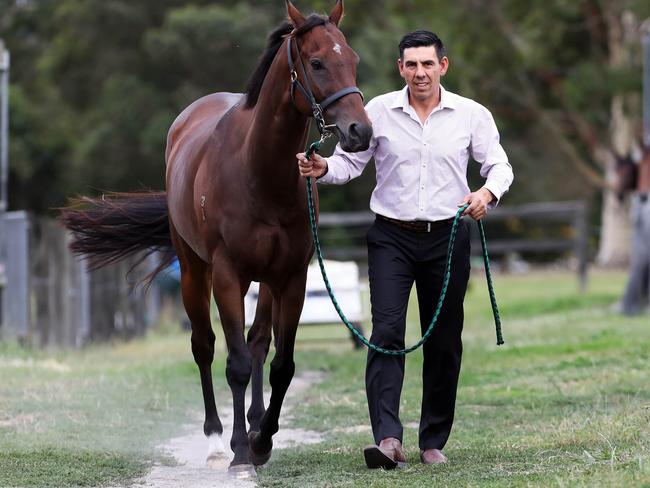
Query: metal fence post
[645, 41]
[17, 311]
[4, 170]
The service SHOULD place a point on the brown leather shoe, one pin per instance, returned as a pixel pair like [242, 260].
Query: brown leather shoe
[387, 455]
[433, 456]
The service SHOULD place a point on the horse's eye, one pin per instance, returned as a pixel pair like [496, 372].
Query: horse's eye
[316, 64]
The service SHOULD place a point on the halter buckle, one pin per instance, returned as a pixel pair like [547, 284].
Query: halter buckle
[317, 111]
[294, 76]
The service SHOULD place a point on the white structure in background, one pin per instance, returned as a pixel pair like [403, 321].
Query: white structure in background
[318, 308]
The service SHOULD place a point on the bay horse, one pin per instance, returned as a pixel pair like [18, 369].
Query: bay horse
[235, 211]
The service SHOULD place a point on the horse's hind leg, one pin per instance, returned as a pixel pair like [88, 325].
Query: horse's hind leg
[282, 366]
[195, 287]
[259, 339]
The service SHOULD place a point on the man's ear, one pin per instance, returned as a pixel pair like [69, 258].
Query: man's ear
[337, 13]
[295, 17]
[444, 65]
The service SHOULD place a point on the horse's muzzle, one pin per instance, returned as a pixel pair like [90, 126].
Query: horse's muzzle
[356, 137]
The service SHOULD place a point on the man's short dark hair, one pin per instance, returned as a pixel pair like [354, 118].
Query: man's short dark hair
[421, 38]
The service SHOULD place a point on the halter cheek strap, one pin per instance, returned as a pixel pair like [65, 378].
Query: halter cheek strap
[318, 109]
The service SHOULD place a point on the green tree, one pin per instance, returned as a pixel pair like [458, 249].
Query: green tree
[570, 71]
[96, 83]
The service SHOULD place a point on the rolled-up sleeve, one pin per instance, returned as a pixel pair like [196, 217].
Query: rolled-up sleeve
[488, 152]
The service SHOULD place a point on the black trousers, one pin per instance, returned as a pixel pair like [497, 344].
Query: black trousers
[397, 258]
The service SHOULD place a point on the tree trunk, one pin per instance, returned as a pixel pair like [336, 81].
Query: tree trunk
[623, 41]
[614, 245]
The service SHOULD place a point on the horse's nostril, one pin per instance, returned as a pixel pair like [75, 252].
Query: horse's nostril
[358, 132]
[357, 137]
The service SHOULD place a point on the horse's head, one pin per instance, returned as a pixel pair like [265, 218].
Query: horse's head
[326, 65]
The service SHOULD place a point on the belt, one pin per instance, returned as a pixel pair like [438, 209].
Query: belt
[417, 225]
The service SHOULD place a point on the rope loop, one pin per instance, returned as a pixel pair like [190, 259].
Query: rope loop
[314, 147]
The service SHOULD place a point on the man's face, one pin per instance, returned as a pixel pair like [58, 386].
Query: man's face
[422, 70]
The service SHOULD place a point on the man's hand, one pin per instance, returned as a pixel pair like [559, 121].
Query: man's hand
[314, 167]
[478, 202]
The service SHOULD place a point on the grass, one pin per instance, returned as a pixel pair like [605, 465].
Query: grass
[565, 402]
[93, 417]
[54, 467]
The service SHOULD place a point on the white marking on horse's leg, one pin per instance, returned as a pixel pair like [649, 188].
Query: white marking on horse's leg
[337, 48]
[217, 455]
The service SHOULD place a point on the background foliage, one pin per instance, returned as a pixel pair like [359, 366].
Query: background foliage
[96, 84]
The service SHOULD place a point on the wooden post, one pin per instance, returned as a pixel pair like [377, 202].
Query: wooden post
[581, 249]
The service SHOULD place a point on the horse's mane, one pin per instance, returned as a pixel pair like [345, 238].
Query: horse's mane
[275, 40]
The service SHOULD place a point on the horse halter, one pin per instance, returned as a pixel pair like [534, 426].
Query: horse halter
[318, 109]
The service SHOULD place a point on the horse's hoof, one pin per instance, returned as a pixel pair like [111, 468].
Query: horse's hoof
[217, 456]
[259, 460]
[217, 461]
[258, 455]
[242, 471]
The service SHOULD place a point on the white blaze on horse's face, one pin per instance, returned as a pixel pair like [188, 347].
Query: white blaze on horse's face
[337, 48]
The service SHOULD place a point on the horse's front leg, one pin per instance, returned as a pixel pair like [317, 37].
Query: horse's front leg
[229, 293]
[259, 339]
[282, 366]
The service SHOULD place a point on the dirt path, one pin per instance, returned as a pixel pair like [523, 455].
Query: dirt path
[190, 450]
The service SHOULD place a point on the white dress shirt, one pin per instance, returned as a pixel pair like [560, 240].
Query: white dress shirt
[422, 167]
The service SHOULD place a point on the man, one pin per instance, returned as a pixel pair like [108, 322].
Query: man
[637, 290]
[423, 137]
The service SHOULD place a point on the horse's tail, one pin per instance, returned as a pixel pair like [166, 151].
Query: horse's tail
[115, 226]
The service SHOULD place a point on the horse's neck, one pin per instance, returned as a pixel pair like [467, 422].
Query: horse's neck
[278, 131]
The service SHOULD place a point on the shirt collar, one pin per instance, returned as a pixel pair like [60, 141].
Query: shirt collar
[402, 99]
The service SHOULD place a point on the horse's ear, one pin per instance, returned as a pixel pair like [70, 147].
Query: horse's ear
[296, 18]
[337, 13]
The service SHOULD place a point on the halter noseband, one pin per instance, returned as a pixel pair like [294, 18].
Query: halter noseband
[318, 109]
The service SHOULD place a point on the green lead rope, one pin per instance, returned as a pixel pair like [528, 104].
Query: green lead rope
[314, 147]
